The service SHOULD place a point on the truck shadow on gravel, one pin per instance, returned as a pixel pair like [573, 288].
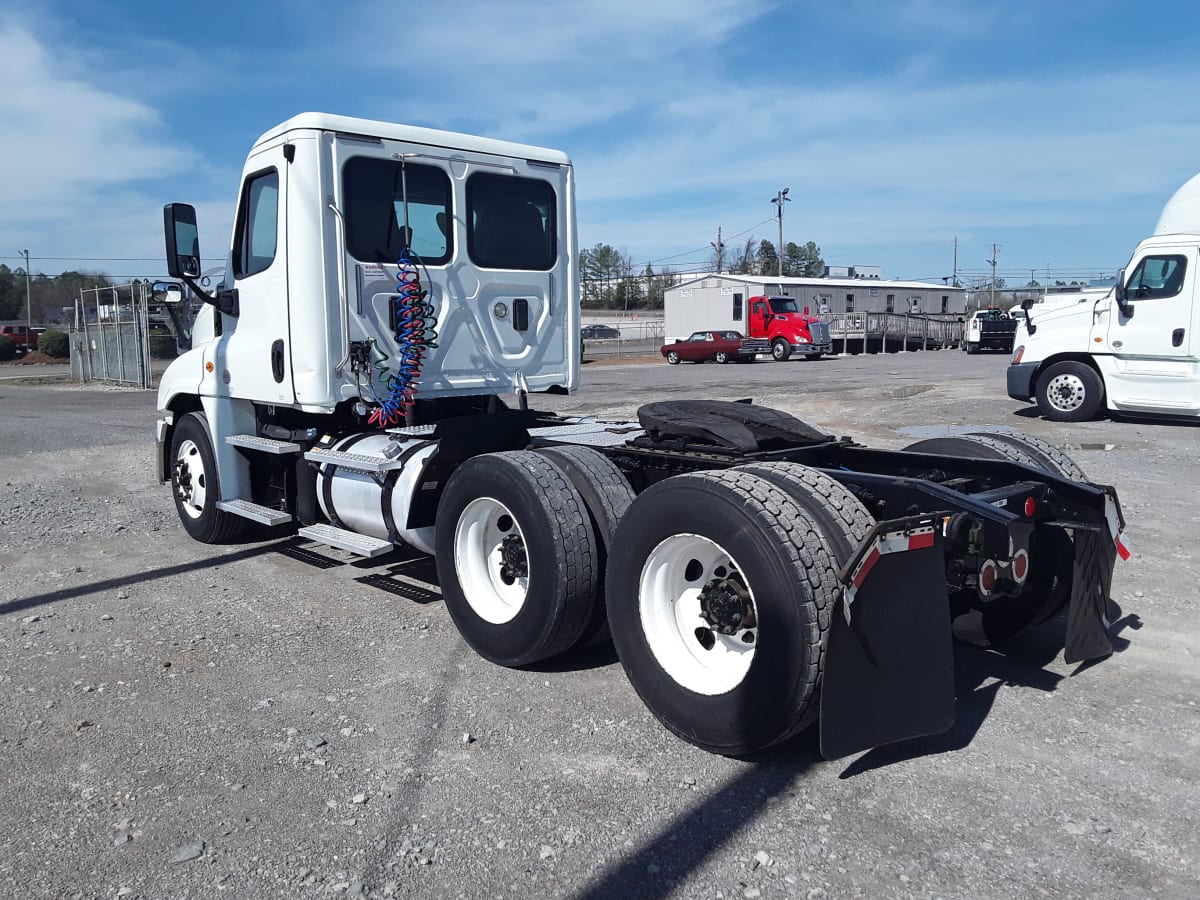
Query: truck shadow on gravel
[108, 584]
[656, 869]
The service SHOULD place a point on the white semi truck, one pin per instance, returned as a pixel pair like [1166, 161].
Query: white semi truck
[388, 286]
[1134, 349]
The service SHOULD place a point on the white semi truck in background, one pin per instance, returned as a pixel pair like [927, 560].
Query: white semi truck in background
[387, 287]
[1134, 349]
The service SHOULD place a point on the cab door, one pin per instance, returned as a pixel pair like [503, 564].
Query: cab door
[1151, 360]
[758, 318]
[1160, 290]
[252, 356]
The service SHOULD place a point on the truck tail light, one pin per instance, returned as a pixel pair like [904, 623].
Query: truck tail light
[987, 578]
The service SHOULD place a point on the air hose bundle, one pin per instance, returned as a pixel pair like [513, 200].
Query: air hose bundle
[415, 334]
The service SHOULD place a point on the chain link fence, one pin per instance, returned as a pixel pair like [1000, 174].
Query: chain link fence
[110, 335]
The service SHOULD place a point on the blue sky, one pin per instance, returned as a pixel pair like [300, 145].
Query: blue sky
[1056, 130]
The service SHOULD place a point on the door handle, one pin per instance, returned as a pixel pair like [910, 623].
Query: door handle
[277, 361]
[1177, 337]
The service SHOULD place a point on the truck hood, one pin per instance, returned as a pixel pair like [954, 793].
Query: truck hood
[796, 318]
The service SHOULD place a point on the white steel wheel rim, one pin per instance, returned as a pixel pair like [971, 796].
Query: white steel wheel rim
[491, 590]
[1066, 392]
[190, 464]
[669, 605]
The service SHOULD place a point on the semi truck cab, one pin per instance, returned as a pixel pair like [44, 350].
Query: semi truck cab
[1133, 350]
[780, 321]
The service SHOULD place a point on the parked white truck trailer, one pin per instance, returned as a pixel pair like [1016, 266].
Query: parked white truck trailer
[387, 286]
[1134, 349]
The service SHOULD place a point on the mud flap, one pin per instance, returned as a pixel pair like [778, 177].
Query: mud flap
[1087, 622]
[889, 666]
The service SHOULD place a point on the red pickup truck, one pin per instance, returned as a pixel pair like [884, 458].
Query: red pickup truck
[25, 338]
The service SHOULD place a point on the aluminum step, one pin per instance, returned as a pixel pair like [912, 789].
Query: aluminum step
[262, 444]
[414, 430]
[359, 462]
[264, 515]
[350, 541]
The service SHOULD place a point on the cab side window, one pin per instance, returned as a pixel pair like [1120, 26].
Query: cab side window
[258, 225]
[1156, 277]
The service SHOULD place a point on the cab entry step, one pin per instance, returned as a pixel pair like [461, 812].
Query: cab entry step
[350, 541]
[255, 512]
[263, 444]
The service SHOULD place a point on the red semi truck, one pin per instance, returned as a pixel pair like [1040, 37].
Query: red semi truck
[778, 320]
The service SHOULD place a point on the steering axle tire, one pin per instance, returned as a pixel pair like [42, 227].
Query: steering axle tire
[1069, 392]
[196, 484]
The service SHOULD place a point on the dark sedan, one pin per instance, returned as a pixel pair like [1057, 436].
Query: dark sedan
[721, 346]
[597, 332]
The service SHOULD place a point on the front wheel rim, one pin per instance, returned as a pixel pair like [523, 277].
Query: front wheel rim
[1066, 392]
[492, 561]
[672, 357]
[778, 351]
[690, 594]
[191, 488]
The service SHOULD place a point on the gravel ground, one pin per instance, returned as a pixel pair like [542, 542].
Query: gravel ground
[180, 720]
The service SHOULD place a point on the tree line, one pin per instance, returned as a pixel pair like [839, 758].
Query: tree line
[48, 296]
[611, 280]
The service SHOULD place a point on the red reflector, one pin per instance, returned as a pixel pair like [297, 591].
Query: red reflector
[1020, 566]
[1030, 507]
[987, 577]
[920, 541]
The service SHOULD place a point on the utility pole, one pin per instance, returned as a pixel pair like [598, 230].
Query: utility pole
[780, 199]
[995, 249]
[719, 247]
[28, 295]
[955, 280]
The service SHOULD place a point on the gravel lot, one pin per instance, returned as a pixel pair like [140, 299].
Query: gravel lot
[179, 720]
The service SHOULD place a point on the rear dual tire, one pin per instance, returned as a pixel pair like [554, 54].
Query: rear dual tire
[720, 592]
[516, 557]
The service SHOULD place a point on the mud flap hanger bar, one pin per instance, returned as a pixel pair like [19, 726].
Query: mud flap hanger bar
[892, 536]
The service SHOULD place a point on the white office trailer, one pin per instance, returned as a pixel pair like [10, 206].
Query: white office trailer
[719, 301]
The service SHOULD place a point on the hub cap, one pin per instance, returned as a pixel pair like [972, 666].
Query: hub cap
[1066, 392]
[698, 614]
[191, 489]
[491, 559]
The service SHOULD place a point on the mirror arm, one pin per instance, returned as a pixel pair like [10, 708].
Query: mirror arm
[224, 301]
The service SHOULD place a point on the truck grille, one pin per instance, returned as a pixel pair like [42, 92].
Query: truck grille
[819, 332]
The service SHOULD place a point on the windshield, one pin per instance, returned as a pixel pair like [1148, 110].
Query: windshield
[783, 305]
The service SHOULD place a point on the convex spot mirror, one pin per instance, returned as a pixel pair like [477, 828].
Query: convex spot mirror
[166, 292]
